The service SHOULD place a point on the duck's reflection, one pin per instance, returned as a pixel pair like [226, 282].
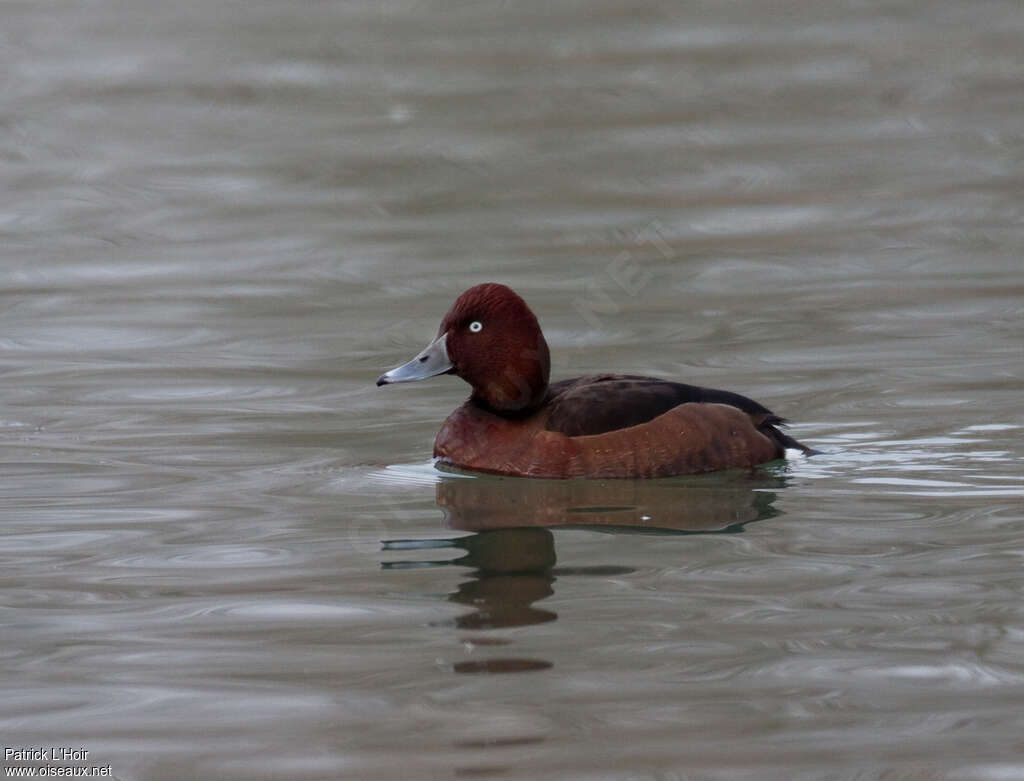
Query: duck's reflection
[721, 502]
[512, 547]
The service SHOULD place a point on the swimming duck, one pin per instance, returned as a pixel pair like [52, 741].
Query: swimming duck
[515, 422]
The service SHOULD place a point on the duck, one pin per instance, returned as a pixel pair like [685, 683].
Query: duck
[518, 423]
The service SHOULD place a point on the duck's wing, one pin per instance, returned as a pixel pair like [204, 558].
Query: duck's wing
[608, 402]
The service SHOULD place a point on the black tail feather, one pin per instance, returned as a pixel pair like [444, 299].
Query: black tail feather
[769, 429]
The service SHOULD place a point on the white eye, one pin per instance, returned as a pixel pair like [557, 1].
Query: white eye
[476, 326]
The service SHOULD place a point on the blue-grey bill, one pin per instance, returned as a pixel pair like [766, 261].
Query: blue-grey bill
[429, 363]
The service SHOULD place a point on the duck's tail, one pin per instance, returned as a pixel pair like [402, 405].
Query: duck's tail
[770, 427]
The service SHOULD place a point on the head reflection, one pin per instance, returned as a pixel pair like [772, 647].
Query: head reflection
[512, 569]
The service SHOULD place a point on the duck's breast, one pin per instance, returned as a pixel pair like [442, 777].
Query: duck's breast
[473, 438]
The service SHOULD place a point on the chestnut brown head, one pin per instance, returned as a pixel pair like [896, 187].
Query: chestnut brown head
[492, 340]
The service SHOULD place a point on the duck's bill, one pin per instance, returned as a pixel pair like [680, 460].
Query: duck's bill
[429, 363]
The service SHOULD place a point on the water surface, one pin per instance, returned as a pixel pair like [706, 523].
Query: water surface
[226, 553]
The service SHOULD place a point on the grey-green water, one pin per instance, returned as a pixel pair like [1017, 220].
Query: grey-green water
[225, 553]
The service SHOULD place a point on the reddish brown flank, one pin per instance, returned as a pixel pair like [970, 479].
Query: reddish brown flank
[604, 426]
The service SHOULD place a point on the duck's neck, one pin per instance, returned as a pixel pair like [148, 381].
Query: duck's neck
[520, 386]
